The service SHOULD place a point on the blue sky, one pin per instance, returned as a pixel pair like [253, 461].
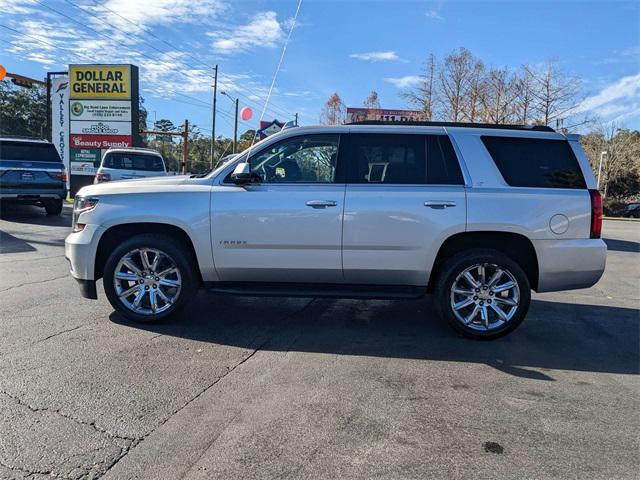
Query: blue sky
[350, 47]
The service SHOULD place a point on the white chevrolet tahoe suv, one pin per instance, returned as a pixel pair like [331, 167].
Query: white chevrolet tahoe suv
[476, 214]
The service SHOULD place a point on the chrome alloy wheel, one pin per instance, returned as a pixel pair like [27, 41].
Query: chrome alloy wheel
[485, 296]
[147, 281]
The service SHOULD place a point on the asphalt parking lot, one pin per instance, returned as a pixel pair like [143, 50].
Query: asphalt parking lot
[310, 388]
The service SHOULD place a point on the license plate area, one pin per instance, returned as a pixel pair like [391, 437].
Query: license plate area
[27, 177]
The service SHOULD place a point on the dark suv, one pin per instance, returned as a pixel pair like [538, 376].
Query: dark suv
[31, 172]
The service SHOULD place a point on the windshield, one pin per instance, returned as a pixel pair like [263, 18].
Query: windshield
[28, 151]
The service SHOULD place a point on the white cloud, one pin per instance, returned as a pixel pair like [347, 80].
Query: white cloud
[624, 90]
[158, 12]
[16, 7]
[404, 82]
[433, 14]
[263, 30]
[385, 55]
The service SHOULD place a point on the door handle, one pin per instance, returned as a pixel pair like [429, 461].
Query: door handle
[439, 204]
[321, 203]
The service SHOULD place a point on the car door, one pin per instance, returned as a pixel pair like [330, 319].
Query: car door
[288, 227]
[404, 197]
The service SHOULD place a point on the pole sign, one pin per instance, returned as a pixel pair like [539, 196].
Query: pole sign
[103, 113]
[60, 118]
[362, 114]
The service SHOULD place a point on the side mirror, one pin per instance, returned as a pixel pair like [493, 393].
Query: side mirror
[242, 175]
[96, 163]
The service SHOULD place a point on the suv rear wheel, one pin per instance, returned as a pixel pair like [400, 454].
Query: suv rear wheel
[482, 293]
[149, 277]
[53, 207]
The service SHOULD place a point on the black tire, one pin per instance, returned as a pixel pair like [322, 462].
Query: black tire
[183, 261]
[53, 207]
[454, 267]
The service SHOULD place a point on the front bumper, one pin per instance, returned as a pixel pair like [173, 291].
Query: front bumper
[569, 264]
[80, 250]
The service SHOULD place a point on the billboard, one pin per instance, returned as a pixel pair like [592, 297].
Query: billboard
[361, 114]
[60, 118]
[103, 113]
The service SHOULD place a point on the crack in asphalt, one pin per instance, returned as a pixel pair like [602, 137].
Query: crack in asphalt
[56, 334]
[29, 473]
[34, 283]
[98, 429]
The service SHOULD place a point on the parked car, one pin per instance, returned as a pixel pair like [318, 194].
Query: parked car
[476, 215]
[632, 210]
[129, 163]
[31, 172]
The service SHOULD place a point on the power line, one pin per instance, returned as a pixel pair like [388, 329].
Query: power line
[275, 106]
[107, 37]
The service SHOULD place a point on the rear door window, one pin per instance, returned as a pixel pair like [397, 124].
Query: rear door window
[535, 162]
[133, 161]
[387, 158]
[28, 151]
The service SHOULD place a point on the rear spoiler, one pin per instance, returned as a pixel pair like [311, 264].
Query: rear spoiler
[572, 137]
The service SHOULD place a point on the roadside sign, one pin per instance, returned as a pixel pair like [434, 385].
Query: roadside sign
[112, 110]
[361, 114]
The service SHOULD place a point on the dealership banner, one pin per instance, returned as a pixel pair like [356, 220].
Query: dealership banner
[60, 118]
[103, 112]
[362, 114]
[113, 110]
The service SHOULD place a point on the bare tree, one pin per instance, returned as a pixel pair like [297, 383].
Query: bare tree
[454, 77]
[555, 94]
[498, 101]
[523, 85]
[333, 111]
[372, 102]
[475, 92]
[424, 96]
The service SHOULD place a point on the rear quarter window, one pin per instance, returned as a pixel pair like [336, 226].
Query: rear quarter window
[29, 151]
[535, 162]
[133, 161]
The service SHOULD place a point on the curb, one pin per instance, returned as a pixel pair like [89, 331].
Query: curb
[622, 219]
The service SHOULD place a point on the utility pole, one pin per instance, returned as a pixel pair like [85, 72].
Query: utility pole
[235, 129]
[213, 121]
[296, 119]
[185, 146]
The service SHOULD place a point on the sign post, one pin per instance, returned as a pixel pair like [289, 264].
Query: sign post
[104, 113]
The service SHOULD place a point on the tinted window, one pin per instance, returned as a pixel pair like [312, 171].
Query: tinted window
[303, 159]
[535, 162]
[442, 164]
[133, 161]
[375, 158]
[29, 151]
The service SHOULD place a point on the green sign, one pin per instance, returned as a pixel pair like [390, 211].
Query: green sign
[87, 155]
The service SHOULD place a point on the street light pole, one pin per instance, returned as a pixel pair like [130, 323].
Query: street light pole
[213, 121]
[235, 128]
[602, 154]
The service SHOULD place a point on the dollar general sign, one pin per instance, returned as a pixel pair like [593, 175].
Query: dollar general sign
[100, 81]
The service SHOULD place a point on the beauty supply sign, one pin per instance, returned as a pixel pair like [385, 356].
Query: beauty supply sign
[103, 111]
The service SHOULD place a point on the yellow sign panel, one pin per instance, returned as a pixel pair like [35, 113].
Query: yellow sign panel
[100, 81]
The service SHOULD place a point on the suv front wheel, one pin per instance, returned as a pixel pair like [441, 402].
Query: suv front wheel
[149, 277]
[482, 293]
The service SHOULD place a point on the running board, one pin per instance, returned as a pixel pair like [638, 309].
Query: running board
[263, 289]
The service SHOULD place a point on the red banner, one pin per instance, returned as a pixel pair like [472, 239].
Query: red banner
[99, 141]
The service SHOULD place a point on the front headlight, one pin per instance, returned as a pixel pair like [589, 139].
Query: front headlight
[82, 205]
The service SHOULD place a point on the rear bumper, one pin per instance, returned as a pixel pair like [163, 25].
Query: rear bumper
[30, 196]
[569, 264]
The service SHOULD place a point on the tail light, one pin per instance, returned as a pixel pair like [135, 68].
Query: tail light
[102, 177]
[596, 213]
[60, 176]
